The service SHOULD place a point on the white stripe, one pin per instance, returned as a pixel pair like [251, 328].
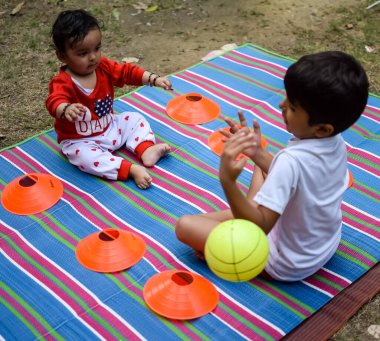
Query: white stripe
[252, 67]
[284, 69]
[249, 312]
[318, 289]
[41, 284]
[337, 275]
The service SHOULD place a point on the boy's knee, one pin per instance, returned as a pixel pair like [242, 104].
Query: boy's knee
[182, 226]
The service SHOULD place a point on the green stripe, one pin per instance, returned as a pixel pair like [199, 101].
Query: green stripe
[252, 81]
[267, 52]
[289, 297]
[21, 318]
[32, 312]
[23, 161]
[361, 222]
[353, 259]
[328, 282]
[247, 323]
[359, 251]
[251, 62]
[285, 305]
[86, 308]
[185, 127]
[364, 161]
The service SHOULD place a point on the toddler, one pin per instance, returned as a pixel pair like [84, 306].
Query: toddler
[81, 98]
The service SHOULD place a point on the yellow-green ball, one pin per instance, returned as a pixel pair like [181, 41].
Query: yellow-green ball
[237, 250]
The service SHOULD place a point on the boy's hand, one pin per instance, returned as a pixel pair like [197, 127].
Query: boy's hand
[230, 168]
[251, 150]
[74, 112]
[164, 83]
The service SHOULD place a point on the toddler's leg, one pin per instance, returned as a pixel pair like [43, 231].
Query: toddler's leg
[193, 230]
[91, 158]
[140, 139]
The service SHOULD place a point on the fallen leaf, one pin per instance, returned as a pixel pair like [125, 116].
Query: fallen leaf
[130, 60]
[17, 8]
[152, 8]
[349, 26]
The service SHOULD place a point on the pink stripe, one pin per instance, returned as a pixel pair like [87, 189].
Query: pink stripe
[257, 67]
[374, 109]
[121, 224]
[78, 206]
[29, 317]
[248, 79]
[81, 312]
[166, 119]
[333, 278]
[360, 227]
[179, 324]
[363, 217]
[281, 298]
[212, 198]
[252, 318]
[355, 255]
[363, 166]
[278, 67]
[361, 130]
[322, 286]
[367, 191]
[249, 107]
[57, 230]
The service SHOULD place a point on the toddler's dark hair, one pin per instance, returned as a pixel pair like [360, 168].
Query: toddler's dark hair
[72, 25]
[331, 86]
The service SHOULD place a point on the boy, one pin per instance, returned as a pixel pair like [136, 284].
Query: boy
[81, 98]
[295, 196]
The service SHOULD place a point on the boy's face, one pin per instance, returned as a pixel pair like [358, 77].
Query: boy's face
[297, 121]
[82, 58]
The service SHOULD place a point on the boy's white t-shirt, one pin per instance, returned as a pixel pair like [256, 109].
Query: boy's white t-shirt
[305, 185]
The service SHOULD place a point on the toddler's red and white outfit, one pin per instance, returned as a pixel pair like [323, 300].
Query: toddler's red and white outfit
[89, 142]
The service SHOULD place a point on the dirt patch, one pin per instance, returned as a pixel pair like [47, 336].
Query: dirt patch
[172, 37]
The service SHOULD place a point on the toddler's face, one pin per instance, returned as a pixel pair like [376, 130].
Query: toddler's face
[296, 120]
[82, 58]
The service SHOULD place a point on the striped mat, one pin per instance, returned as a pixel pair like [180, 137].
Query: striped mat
[45, 293]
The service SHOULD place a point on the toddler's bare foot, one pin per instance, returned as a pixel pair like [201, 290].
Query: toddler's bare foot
[141, 176]
[151, 155]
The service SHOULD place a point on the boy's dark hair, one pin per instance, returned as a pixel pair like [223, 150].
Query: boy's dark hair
[331, 86]
[72, 25]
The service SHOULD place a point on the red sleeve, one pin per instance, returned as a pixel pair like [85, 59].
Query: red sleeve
[122, 74]
[59, 92]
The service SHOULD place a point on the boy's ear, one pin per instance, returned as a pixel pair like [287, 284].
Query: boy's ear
[61, 56]
[324, 130]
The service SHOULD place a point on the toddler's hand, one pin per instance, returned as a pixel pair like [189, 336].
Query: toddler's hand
[74, 112]
[164, 83]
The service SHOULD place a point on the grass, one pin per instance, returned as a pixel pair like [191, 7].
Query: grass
[27, 60]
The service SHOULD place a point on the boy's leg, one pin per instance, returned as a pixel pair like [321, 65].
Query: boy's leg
[193, 230]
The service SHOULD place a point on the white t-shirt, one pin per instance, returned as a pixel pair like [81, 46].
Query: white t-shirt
[305, 185]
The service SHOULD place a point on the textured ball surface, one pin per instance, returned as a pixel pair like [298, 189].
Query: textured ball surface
[237, 250]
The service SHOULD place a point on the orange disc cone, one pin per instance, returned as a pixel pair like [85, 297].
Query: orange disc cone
[216, 144]
[180, 295]
[350, 179]
[31, 193]
[110, 250]
[192, 108]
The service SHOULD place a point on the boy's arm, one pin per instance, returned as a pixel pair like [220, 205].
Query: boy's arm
[242, 207]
